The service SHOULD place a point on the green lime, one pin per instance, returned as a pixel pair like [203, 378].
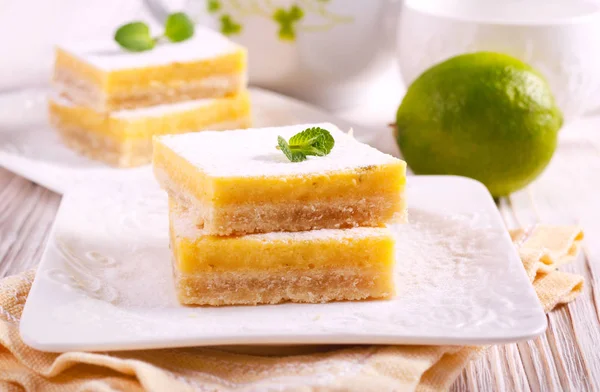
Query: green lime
[483, 115]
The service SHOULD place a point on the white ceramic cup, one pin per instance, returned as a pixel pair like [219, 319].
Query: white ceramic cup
[334, 54]
[559, 38]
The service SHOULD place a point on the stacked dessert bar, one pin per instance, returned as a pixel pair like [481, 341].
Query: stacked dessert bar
[247, 226]
[110, 102]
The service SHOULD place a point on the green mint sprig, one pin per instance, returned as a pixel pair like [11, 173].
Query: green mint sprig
[135, 36]
[312, 141]
[179, 27]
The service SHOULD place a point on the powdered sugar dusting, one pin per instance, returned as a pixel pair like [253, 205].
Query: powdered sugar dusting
[252, 152]
[109, 56]
[434, 248]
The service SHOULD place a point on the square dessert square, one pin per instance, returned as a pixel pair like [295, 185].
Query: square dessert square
[311, 266]
[105, 77]
[237, 182]
[124, 138]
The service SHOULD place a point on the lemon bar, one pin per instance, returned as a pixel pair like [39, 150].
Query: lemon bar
[237, 182]
[105, 77]
[312, 266]
[124, 138]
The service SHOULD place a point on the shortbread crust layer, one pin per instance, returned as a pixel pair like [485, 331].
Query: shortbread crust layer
[308, 286]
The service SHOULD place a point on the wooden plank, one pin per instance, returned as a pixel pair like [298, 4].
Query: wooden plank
[538, 365]
[516, 377]
[576, 328]
[535, 357]
[461, 383]
[26, 215]
[556, 363]
[567, 193]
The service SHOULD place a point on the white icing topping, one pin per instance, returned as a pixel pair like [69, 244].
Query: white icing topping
[108, 55]
[151, 111]
[252, 152]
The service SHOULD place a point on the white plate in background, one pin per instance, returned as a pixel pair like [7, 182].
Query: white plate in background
[31, 148]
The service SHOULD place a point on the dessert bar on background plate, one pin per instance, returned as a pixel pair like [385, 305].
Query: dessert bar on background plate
[105, 280]
[124, 138]
[105, 77]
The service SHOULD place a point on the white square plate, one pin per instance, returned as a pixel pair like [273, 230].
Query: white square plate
[105, 281]
[30, 147]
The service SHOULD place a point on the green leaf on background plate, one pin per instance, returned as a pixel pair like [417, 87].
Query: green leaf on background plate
[179, 27]
[135, 37]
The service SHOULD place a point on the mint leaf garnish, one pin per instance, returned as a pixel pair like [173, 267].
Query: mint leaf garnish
[292, 155]
[179, 27]
[135, 37]
[316, 137]
[312, 141]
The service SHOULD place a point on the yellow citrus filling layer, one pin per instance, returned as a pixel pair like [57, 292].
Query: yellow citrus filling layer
[143, 127]
[260, 252]
[128, 80]
[380, 180]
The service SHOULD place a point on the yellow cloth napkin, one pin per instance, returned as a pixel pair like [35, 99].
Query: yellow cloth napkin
[357, 368]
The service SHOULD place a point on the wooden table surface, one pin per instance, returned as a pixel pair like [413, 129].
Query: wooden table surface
[565, 358]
